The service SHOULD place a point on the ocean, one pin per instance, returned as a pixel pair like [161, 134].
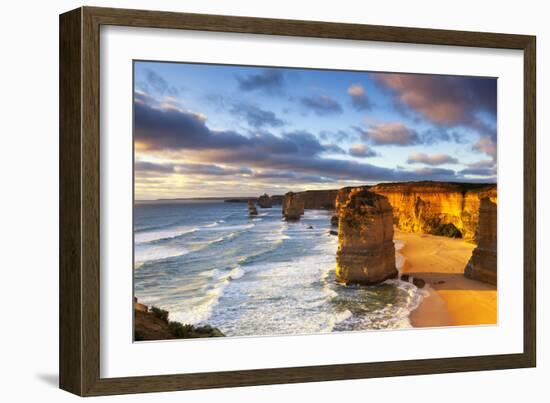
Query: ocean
[207, 262]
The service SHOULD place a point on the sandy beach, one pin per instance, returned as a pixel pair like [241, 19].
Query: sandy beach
[453, 299]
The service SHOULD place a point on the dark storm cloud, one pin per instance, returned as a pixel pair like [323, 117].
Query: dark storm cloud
[256, 117]
[322, 105]
[268, 80]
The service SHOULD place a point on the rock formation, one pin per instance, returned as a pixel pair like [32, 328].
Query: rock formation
[264, 201]
[438, 208]
[342, 196]
[252, 208]
[277, 199]
[318, 199]
[483, 263]
[139, 306]
[153, 324]
[293, 206]
[366, 253]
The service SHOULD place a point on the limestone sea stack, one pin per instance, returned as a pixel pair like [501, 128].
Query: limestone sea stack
[366, 253]
[483, 263]
[264, 201]
[293, 206]
[277, 199]
[252, 208]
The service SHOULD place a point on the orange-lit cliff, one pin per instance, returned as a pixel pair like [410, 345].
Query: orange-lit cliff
[437, 207]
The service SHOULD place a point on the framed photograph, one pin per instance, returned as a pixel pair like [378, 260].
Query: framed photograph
[249, 201]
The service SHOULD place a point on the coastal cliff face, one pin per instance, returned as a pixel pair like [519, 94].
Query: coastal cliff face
[483, 263]
[293, 206]
[318, 199]
[437, 208]
[366, 253]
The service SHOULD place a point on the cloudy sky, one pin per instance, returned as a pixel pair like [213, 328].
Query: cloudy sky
[210, 130]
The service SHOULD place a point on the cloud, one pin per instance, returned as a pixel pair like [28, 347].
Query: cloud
[487, 145]
[435, 173]
[338, 136]
[151, 167]
[256, 117]
[437, 134]
[362, 151]
[142, 167]
[333, 148]
[267, 80]
[359, 98]
[322, 105]
[211, 169]
[390, 134]
[168, 128]
[438, 159]
[172, 128]
[481, 164]
[479, 171]
[290, 176]
[299, 154]
[449, 101]
[159, 84]
[445, 100]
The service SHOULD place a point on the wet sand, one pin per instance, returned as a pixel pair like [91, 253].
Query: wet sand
[453, 299]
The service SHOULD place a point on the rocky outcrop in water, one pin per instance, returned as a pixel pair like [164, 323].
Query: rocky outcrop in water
[264, 201]
[277, 199]
[342, 196]
[483, 263]
[252, 211]
[293, 206]
[366, 252]
[437, 208]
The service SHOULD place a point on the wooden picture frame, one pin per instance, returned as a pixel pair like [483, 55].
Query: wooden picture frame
[79, 346]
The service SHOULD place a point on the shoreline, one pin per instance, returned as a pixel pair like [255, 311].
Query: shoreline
[453, 299]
